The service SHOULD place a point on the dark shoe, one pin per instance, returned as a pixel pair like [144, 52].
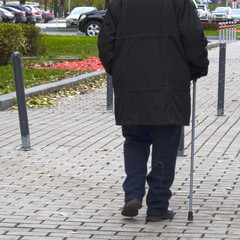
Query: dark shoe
[130, 208]
[168, 215]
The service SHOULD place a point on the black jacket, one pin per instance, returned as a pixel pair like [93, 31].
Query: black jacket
[152, 49]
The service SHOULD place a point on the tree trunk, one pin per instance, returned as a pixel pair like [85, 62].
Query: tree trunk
[45, 5]
[22, 2]
[106, 3]
[56, 8]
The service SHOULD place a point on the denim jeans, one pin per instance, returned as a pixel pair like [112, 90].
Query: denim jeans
[137, 146]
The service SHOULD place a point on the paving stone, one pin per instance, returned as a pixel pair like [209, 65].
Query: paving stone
[69, 185]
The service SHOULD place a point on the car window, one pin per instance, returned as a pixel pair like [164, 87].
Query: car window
[4, 10]
[237, 12]
[221, 10]
[81, 10]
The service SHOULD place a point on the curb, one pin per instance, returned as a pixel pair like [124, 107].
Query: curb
[74, 30]
[8, 100]
[212, 45]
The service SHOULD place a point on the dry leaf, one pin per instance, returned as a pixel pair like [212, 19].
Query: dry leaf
[102, 150]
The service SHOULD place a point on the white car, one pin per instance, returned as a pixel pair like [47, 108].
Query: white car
[36, 11]
[204, 13]
[72, 18]
[235, 15]
[221, 14]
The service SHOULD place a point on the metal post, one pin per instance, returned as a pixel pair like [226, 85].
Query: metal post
[226, 31]
[235, 31]
[109, 93]
[221, 79]
[20, 92]
[230, 31]
[181, 144]
[223, 31]
[190, 213]
[220, 31]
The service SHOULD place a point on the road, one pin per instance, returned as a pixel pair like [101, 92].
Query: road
[58, 27]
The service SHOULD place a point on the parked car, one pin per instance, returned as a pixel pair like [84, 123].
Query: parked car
[204, 13]
[221, 14]
[19, 15]
[36, 11]
[235, 15]
[91, 23]
[47, 16]
[7, 17]
[72, 18]
[31, 19]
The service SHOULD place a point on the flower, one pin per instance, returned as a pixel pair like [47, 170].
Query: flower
[91, 63]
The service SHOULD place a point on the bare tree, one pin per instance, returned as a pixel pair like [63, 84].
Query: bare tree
[106, 3]
[55, 6]
[91, 2]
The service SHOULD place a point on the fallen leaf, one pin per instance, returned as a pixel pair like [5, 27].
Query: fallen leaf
[63, 214]
[102, 150]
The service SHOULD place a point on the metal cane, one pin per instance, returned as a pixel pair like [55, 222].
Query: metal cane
[190, 213]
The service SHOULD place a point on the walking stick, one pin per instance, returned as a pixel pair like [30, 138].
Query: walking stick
[190, 213]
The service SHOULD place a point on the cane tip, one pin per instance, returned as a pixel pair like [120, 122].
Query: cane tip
[190, 216]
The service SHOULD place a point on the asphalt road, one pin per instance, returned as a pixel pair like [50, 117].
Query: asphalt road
[58, 27]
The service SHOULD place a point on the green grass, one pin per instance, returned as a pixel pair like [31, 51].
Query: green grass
[32, 77]
[81, 47]
[78, 46]
[216, 33]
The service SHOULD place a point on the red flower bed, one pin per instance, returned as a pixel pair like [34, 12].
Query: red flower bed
[91, 63]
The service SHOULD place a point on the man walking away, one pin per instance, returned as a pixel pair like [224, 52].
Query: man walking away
[152, 49]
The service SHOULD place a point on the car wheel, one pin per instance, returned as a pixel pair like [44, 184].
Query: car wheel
[93, 29]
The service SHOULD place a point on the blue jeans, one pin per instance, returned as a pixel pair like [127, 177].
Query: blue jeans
[138, 140]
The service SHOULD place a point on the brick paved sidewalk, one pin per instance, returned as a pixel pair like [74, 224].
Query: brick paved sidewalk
[69, 186]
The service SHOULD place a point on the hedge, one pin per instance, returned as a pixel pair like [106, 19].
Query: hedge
[210, 26]
[26, 39]
[11, 39]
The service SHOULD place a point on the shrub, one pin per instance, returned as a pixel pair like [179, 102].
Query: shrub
[11, 39]
[36, 44]
[210, 26]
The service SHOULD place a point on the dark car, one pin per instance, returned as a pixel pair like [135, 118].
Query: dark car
[19, 15]
[7, 17]
[31, 18]
[91, 23]
[47, 16]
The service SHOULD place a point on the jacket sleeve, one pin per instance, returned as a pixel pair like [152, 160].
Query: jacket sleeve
[193, 40]
[106, 41]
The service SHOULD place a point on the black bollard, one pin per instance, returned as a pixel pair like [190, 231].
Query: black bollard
[20, 92]
[221, 78]
[109, 93]
[181, 144]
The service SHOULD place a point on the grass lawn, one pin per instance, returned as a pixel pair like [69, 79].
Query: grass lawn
[76, 46]
[216, 33]
[80, 47]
